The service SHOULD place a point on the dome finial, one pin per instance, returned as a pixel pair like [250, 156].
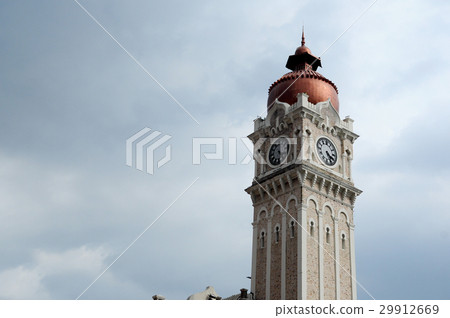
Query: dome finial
[303, 35]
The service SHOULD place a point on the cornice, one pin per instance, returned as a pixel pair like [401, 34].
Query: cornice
[285, 180]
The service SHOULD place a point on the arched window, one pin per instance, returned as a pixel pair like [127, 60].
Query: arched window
[343, 241]
[327, 234]
[263, 239]
[277, 234]
[292, 229]
[311, 228]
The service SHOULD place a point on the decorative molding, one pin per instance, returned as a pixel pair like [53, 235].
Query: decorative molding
[267, 189]
[338, 189]
[283, 256]
[353, 199]
[254, 253]
[313, 182]
[274, 186]
[289, 181]
[253, 197]
[322, 184]
[345, 213]
[336, 257]
[261, 193]
[344, 194]
[289, 199]
[353, 261]
[303, 256]
[330, 187]
[283, 188]
[321, 255]
[268, 257]
[301, 172]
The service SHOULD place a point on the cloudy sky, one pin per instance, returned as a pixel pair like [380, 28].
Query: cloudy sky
[70, 97]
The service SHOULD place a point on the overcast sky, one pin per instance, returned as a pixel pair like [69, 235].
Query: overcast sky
[70, 97]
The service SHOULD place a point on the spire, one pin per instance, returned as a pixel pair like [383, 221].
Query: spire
[303, 35]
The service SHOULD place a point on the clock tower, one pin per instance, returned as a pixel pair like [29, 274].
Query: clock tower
[303, 192]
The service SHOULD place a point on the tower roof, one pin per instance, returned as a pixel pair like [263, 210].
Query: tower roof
[303, 79]
[303, 58]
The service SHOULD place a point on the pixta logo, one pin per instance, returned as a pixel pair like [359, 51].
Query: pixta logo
[216, 151]
[141, 147]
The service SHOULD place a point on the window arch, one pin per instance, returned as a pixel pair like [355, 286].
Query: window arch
[312, 202]
[311, 227]
[262, 239]
[292, 228]
[343, 239]
[328, 234]
[262, 214]
[277, 233]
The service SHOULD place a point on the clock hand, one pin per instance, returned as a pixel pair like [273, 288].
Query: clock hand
[329, 156]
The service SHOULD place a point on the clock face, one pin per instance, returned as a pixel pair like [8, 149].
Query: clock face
[278, 151]
[327, 151]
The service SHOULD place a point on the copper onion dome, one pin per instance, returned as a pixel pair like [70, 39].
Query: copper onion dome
[303, 79]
